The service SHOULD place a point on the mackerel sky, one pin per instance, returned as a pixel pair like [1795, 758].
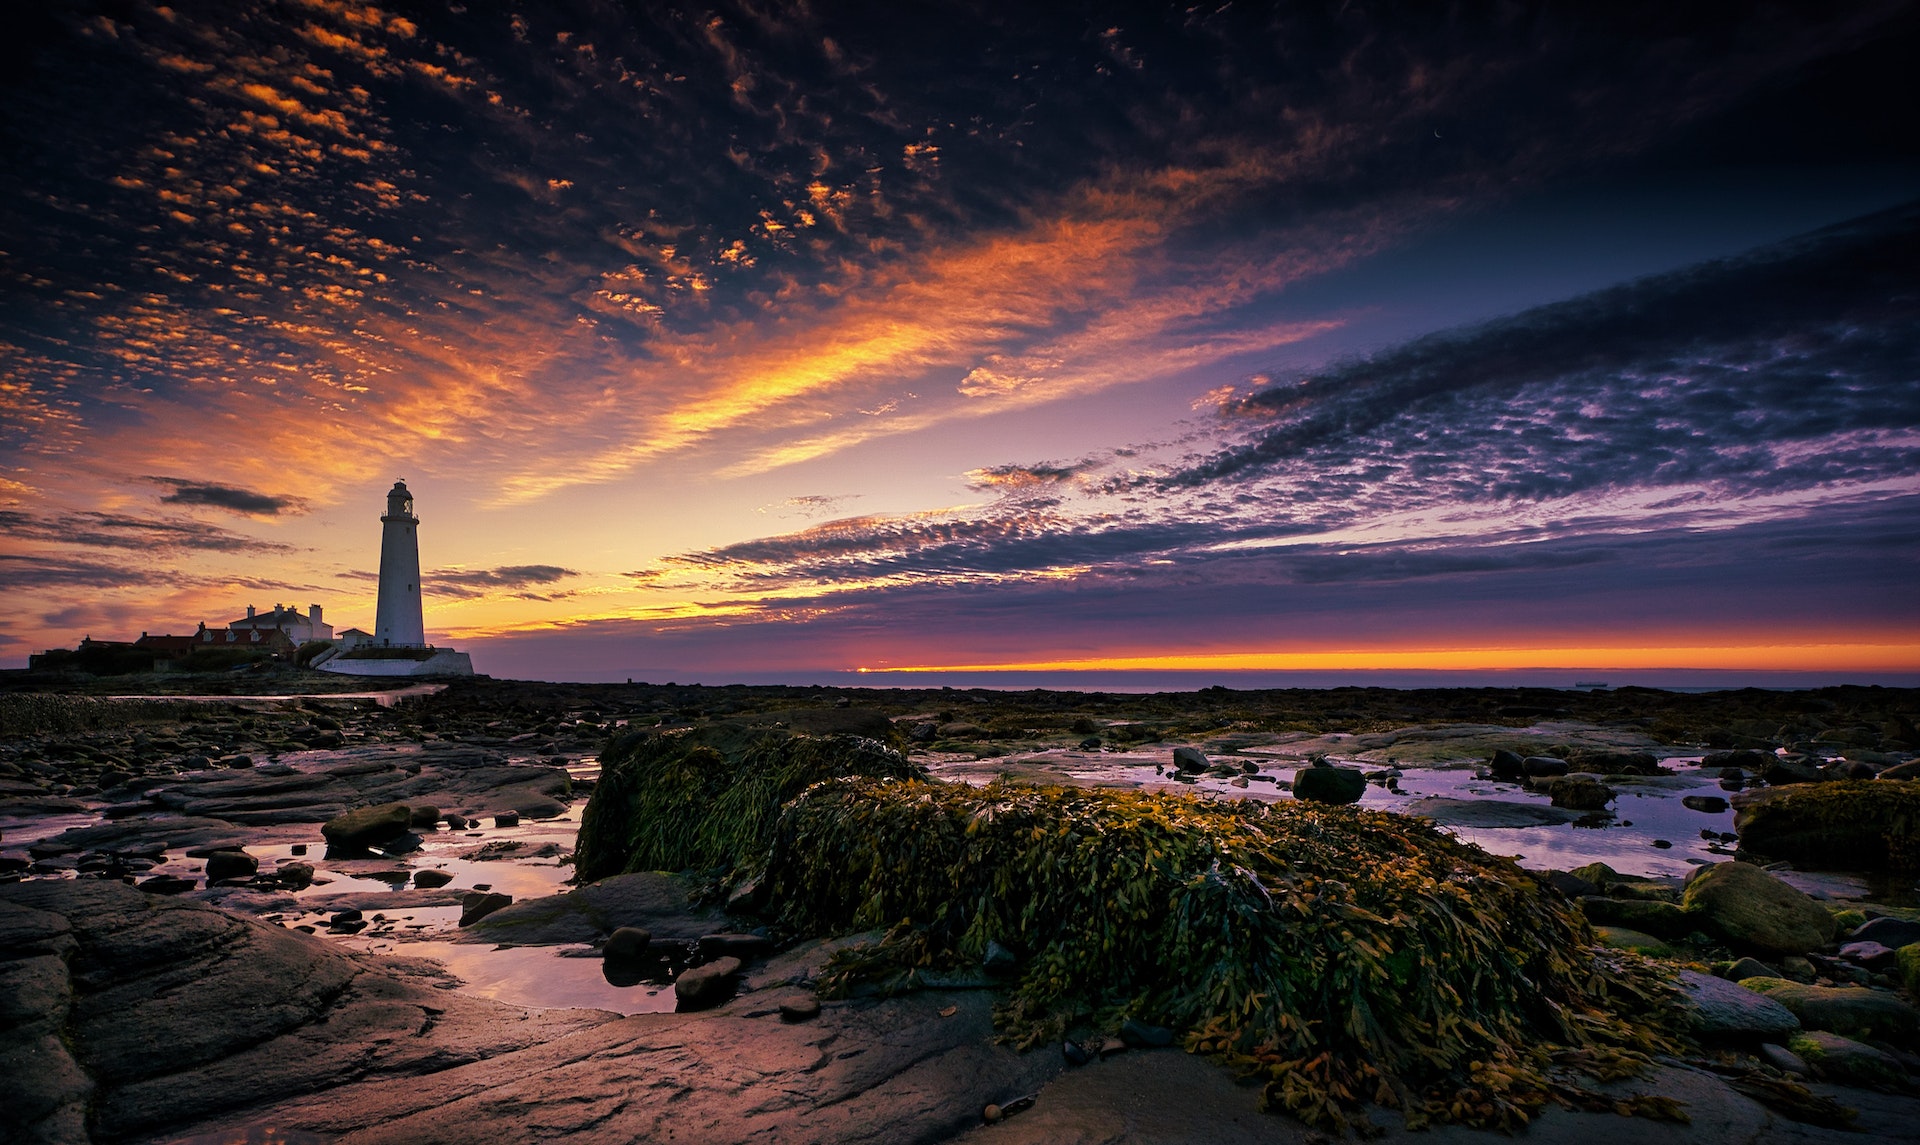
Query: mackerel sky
[757, 340]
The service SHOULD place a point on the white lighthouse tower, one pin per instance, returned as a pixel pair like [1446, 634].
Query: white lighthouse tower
[397, 620]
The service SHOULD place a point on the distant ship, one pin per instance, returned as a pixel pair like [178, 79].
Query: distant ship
[1589, 683]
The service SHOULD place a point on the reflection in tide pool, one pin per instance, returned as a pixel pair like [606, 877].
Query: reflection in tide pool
[553, 977]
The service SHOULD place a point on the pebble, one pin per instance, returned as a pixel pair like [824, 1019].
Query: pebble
[800, 1010]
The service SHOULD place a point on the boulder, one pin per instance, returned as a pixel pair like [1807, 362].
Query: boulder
[1887, 931]
[1579, 793]
[1752, 910]
[1544, 766]
[1623, 938]
[1189, 759]
[1834, 1058]
[294, 874]
[1323, 783]
[1858, 1011]
[1718, 1008]
[707, 984]
[1783, 772]
[1507, 765]
[424, 814]
[231, 865]
[1871, 955]
[365, 827]
[1843, 825]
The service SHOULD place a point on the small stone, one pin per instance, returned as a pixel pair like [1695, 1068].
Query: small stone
[432, 878]
[295, 874]
[998, 959]
[1112, 1046]
[1710, 804]
[1579, 793]
[425, 814]
[477, 905]
[1871, 955]
[1323, 784]
[507, 819]
[1507, 765]
[456, 822]
[364, 827]
[1662, 845]
[991, 1114]
[1749, 968]
[1189, 759]
[627, 942]
[297, 849]
[231, 865]
[705, 985]
[800, 1010]
[1075, 1053]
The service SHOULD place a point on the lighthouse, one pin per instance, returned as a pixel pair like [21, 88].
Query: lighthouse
[397, 620]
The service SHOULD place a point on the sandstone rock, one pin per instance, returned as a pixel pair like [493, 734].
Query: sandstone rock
[1844, 825]
[1840, 1059]
[1752, 910]
[1189, 759]
[799, 1009]
[626, 942]
[1325, 784]
[479, 904]
[1720, 1009]
[231, 865]
[705, 985]
[1859, 1011]
[1579, 793]
[365, 827]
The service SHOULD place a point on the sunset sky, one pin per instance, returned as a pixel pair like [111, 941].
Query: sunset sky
[759, 341]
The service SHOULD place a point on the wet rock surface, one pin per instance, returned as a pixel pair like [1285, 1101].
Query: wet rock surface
[343, 1044]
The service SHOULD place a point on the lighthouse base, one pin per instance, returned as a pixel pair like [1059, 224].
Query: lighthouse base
[397, 662]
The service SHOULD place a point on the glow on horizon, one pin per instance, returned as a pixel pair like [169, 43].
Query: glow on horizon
[1810, 657]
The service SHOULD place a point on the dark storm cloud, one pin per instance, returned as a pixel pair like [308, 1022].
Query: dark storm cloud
[468, 583]
[1718, 374]
[122, 531]
[243, 501]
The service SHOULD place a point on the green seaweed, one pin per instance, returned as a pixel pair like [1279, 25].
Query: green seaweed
[1339, 956]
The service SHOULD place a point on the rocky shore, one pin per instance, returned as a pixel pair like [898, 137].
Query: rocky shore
[236, 918]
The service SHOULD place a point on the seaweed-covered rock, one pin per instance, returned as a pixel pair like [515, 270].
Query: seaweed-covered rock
[1859, 1011]
[1579, 793]
[1326, 951]
[1845, 825]
[676, 801]
[1755, 911]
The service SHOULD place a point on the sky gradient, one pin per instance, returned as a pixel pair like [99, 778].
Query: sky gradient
[747, 342]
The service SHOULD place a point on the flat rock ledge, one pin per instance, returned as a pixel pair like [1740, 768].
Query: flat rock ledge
[129, 1017]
